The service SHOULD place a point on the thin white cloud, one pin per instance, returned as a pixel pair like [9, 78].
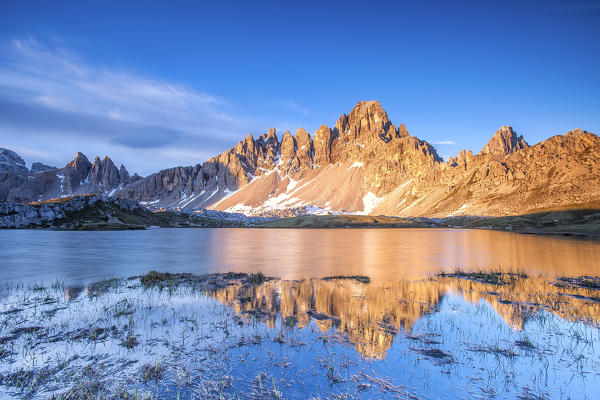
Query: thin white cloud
[51, 95]
[443, 142]
[292, 105]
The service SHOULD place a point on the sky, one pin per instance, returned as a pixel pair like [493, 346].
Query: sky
[157, 84]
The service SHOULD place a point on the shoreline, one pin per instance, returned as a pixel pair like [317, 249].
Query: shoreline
[101, 213]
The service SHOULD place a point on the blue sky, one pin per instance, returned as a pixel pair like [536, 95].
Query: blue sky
[156, 84]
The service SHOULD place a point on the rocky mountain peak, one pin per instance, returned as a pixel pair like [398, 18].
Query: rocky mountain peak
[39, 167]
[366, 118]
[505, 141]
[11, 161]
[402, 131]
[576, 132]
[75, 173]
[124, 175]
[80, 162]
[104, 175]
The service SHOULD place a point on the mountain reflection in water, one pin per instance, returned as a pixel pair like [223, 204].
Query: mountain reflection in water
[395, 254]
[382, 254]
[370, 315]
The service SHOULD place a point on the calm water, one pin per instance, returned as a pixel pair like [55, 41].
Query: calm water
[445, 337]
[382, 254]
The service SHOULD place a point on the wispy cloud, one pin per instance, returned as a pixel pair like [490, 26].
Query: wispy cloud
[51, 99]
[442, 142]
[292, 105]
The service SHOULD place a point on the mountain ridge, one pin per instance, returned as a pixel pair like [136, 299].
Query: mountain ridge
[363, 165]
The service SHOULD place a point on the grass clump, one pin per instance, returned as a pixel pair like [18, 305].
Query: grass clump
[257, 278]
[586, 282]
[152, 372]
[130, 341]
[100, 287]
[489, 277]
[160, 279]
[358, 278]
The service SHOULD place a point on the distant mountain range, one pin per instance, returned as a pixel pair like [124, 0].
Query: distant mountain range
[363, 165]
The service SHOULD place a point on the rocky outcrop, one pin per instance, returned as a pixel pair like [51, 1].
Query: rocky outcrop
[11, 162]
[43, 214]
[504, 142]
[99, 212]
[39, 167]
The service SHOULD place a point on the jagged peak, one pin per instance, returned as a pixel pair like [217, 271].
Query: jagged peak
[371, 109]
[323, 129]
[80, 159]
[301, 133]
[402, 131]
[504, 142]
[575, 132]
[368, 104]
[268, 136]
[286, 135]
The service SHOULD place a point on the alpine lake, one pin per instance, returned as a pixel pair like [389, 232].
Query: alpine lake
[298, 314]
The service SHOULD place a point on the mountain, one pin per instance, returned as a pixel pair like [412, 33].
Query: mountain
[363, 155]
[363, 165]
[42, 182]
[560, 172]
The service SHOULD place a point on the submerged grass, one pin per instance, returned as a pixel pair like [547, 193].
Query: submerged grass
[226, 336]
[358, 278]
[588, 282]
[497, 277]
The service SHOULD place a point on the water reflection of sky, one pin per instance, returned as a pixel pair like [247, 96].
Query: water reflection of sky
[442, 338]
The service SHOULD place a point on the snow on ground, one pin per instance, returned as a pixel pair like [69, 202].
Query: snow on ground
[461, 209]
[357, 164]
[370, 201]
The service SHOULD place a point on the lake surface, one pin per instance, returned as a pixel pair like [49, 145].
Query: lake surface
[382, 254]
[453, 336]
